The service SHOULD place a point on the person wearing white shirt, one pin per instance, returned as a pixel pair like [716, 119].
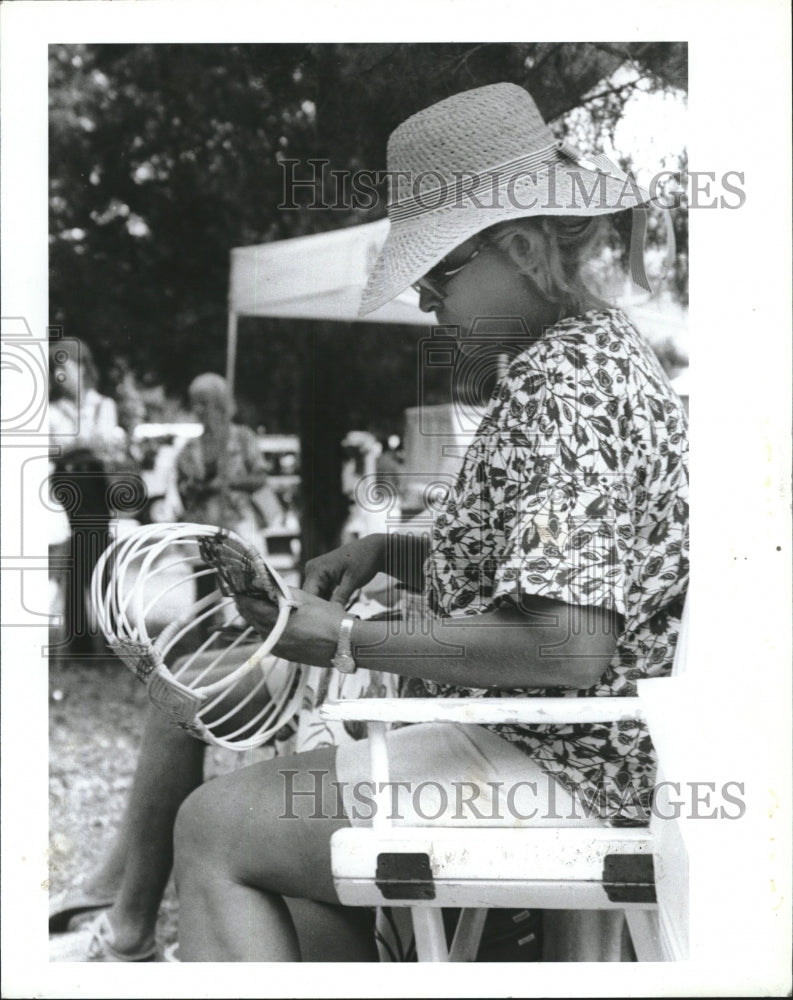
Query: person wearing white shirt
[85, 434]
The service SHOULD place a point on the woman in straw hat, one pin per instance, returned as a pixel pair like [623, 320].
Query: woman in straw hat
[558, 565]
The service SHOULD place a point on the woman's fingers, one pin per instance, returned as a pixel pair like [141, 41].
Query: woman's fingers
[314, 577]
[259, 613]
[311, 633]
[336, 575]
[325, 575]
[332, 588]
[344, 591]
[317, 582]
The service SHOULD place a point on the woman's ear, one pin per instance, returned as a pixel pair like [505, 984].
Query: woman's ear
[528, 251]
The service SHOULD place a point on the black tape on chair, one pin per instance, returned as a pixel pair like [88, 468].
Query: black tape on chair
[404, 876]
[629, 878]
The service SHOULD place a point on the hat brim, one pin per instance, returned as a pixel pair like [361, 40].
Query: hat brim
[415, 244]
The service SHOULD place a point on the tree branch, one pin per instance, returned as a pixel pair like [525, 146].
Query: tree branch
[613, 90]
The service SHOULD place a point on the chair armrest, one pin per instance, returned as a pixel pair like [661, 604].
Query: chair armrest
[493, 711]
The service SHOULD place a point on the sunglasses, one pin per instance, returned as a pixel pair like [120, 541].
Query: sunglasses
[436, 279]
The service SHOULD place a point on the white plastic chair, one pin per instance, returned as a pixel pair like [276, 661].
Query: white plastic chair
[550, 868]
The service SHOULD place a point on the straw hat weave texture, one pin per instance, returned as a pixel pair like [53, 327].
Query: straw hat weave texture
[473, 160]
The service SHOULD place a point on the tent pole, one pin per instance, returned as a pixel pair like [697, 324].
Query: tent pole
[231, 352]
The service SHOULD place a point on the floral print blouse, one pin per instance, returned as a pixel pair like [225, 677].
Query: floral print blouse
[575, 489]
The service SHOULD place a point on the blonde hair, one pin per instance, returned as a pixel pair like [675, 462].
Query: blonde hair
[210, 386]
[559, 249]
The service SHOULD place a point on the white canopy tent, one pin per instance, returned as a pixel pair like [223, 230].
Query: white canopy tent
[311, 277]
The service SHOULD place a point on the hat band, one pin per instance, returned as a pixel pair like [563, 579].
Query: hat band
[454, 192]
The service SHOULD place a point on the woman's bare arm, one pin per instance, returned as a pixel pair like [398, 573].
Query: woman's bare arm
[543, 643]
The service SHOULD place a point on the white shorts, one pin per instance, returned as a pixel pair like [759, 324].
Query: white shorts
[444, 773]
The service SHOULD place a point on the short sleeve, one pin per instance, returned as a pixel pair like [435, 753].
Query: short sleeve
[560, 544]
[565, 515]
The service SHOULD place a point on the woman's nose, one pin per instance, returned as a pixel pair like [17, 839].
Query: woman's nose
[429, 300]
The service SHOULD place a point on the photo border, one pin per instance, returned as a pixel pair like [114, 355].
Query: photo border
[739, 114]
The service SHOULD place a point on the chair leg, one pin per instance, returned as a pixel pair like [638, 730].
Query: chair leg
[645, 935]
[468, 935]
[583, 935]
[429, 934]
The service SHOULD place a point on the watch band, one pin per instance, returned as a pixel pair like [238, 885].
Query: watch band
[344, 661]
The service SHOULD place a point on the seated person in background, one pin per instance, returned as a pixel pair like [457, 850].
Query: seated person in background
[218, 472]
[80, 416]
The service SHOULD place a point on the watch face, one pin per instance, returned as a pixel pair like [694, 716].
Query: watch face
[344, 663]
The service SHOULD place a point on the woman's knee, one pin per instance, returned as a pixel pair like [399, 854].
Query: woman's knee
[237, 826]
[223, 817]
[200, 832]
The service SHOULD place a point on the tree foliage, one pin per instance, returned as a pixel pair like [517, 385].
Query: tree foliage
[163, 157]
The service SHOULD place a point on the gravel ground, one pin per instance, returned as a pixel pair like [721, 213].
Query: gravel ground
[97, 712]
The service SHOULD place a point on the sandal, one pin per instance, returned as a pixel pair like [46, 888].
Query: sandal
[72, 903]
[171, 953]
[93, 944]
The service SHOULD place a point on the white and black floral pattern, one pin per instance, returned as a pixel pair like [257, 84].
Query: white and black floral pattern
[575, 488]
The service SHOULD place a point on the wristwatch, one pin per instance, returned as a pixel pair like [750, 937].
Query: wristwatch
[343, 660]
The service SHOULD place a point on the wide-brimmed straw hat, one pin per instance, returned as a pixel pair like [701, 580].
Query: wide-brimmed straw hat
[478, 158]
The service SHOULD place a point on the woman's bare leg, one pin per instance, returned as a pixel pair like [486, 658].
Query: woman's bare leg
[239, 852]
[332, 933]
[162, 742]
[169, 767]
[138, 864]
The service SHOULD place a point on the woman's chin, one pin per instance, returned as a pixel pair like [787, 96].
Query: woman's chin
[446, 317]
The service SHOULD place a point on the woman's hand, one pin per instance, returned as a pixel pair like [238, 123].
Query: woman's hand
[203, 488]
[250, 483]
[312, 633]
[338, 574]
